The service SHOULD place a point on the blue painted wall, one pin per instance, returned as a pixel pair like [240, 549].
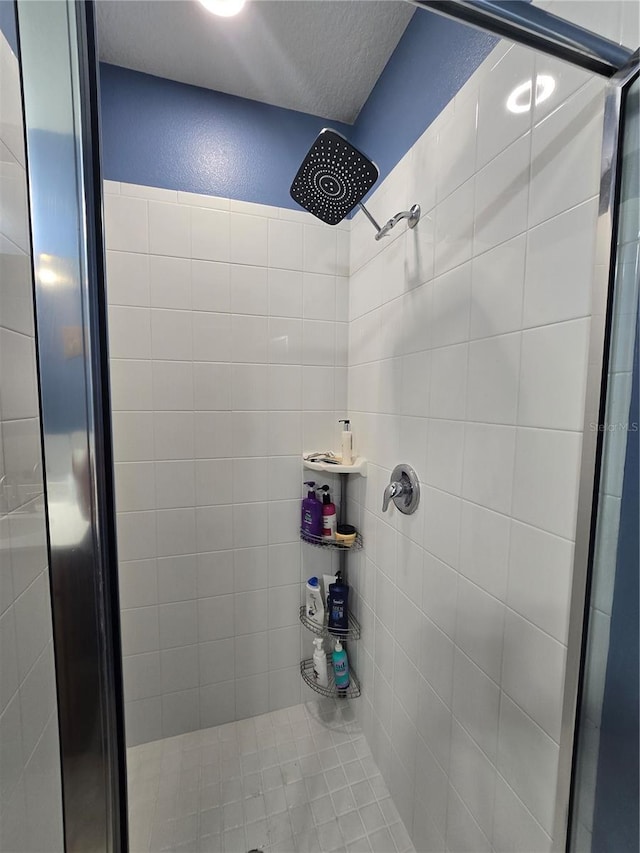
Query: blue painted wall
[433, 60]
[615, 819]
[8, 23]
[161, 133]
[166, 134]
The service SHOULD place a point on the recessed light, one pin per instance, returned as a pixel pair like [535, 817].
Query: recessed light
[225, 8]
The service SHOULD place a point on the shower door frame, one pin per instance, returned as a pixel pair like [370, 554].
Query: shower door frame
[60, 94]
[593, 438]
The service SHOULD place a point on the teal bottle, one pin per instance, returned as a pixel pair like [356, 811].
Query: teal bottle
[340, 666]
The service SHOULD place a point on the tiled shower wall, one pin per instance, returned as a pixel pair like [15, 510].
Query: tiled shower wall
[467, 359]
[30, 785]
[228, 345]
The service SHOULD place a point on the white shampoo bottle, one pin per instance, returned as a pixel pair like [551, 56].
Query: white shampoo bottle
[347, 443]
[320, 664]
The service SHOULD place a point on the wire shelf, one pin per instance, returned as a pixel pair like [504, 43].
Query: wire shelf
[331, 691]
[331, 544]
[350, 633]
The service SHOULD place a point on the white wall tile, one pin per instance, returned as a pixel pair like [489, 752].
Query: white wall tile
[130, 385]
[177, 624]
[215, 573]
[476, 704]
[209, 234]
[211, 336]
[480, 627]
[169, 230]
[176, 533]
[136, 535]
[515, 830]
[553, 376]
[177, 578]
[454, 228]
[213, 528]
[172, 385]
[249, 289]
[463, 833]
[474, 778]
[179, 668]
[497, 289]
[141, 675]
[498, 126]
[174, 484]
[320, 249]
[135, 486]
[493, 389]
[249, 339]
[484, 548]
[128, 278]
[211, 387]
[130, 332]
[450, 306]
[560, 267]
[140, 632]
[502, 193]
[173, 435]
[285, 244]
[180, 712]
[138, 583]
[564, 175]
[210, 286]
[528, 759]
[169, 281]
[489, 455]
[248, 240]
[285, 293]
[546, 480]
[456, 148]
[448, 382]
[533, 673]
[171, 335]
[126, 223]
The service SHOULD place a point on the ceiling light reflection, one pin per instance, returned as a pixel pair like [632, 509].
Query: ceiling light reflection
[519, 101]
[225, 8]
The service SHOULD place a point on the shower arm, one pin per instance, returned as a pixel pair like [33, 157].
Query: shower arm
[412, 215]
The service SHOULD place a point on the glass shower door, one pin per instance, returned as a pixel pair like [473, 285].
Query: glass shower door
[605, 811]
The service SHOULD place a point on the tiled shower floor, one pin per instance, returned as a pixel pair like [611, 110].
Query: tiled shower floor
[301, 779]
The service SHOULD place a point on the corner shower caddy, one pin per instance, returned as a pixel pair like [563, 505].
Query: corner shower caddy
[353, 631]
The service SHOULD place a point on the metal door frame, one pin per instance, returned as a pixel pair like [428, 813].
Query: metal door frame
[59, 76]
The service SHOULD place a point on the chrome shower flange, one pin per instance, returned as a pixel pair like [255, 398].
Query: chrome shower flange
[414, 216]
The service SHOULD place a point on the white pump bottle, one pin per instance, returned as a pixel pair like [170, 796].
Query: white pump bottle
[347, 443]
[320, 664]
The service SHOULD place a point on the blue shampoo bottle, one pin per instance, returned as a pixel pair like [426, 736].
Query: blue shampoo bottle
[338, 605]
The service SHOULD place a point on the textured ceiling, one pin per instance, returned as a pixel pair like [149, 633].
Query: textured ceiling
[318, 56]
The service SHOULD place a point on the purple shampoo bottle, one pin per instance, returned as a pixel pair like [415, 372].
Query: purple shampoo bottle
[311, 522]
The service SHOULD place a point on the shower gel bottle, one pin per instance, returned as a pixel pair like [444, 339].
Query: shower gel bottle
[340, 666]
[311, 521]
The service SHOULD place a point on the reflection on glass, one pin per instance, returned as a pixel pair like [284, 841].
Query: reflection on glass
[519, 101]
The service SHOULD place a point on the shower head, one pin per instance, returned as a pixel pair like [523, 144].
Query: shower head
[333, 178]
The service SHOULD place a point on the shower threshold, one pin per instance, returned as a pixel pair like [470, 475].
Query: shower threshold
[299, 780]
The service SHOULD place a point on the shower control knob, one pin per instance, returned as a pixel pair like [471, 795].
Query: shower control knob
[403, 490]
